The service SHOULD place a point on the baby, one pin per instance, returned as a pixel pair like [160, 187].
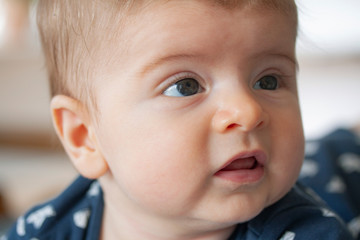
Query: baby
[185, 115]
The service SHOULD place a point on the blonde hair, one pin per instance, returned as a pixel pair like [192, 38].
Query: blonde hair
[75, 32]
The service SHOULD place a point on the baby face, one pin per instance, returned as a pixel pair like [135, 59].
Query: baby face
[199, 117]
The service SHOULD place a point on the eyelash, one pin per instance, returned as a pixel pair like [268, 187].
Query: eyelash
[181, 76]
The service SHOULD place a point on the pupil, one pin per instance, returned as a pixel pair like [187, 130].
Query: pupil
[188, 87]
[268, 82]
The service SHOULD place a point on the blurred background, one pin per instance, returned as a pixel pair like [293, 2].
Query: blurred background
[33, 166]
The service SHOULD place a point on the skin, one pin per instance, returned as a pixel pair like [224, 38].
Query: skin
[156, 155]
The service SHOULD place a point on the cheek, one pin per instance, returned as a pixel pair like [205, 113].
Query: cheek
[287, 150]
[156, 164]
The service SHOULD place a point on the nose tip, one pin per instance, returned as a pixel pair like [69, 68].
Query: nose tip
[244, 115]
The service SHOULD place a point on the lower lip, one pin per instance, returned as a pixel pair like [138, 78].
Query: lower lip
[244, 176]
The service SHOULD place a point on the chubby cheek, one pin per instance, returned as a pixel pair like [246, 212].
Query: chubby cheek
[158, 166]
[287, 153]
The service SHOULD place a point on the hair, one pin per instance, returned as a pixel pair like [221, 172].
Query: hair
[75, 33]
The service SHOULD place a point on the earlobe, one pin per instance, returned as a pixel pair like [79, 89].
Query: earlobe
[74, 128]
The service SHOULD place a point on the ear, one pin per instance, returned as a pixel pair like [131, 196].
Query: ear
[73, 126]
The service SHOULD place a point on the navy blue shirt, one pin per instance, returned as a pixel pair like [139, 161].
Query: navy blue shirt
[332, 169]
[77, 215]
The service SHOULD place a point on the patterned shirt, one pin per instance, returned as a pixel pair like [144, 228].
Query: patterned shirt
[332, 169]
[77, 215]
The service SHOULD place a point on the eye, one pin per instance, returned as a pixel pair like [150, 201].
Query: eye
[183, 88]
[267, 83]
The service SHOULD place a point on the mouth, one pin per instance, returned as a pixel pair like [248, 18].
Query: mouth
[244, 168]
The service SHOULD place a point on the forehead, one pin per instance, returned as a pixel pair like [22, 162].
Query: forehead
[186, 25]
[144, 14]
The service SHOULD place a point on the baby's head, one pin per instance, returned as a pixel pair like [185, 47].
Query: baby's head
[186, 111]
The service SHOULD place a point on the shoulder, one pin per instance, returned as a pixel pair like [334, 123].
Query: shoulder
[299, 215]
[65, 217]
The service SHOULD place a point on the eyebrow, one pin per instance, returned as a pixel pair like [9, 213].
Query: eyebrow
[154, 64]
[174, 57]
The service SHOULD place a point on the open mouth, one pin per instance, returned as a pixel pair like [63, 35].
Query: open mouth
[248, 168]
[239, 164]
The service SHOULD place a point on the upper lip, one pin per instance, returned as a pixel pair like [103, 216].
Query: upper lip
[259, 155]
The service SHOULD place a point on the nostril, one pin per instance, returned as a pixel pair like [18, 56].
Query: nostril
[260, 124]
[234, 125]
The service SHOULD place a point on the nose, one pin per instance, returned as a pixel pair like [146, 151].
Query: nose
[241, 110]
